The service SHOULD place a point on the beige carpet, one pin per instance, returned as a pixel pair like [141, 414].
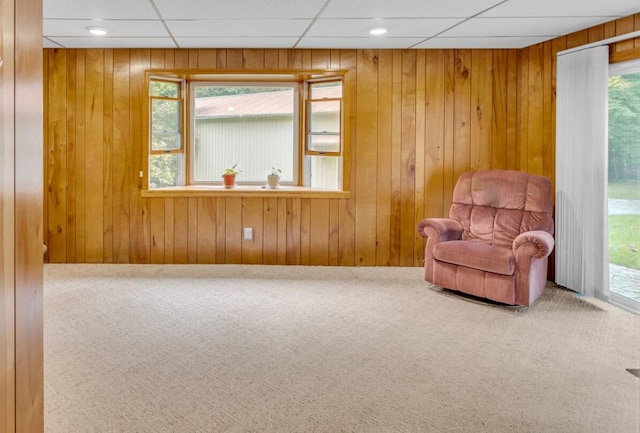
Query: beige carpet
[230, 348]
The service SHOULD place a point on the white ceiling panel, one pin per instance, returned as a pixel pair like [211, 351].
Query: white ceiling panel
[238, 9]
[284, 42]
[99, 9]
[323, 23]
[405, 8]
[331, 42]
[414, 27]
[508, 42]
[237, 28]
[565, 8]
[116, 28]
[46, 43]
[114, 42]
[481, 27]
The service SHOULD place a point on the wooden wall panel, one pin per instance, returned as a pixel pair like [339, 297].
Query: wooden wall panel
[21, 206]
[346, 236]
[417, 120]
[107, 155]
[270, 231]
[56, 169]
[252, 217]
[180, 230]
[434, 133]
[94, 158]
[408, 157]
[7, 221]
[396, 157]
[206, 234]
[365, 150]
[383, 178]
[157, 224]
[192, 230]
[77, 109]
[70, 156]
[121, 158]
[418, 160]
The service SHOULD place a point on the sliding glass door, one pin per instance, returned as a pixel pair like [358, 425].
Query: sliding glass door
[624, 184]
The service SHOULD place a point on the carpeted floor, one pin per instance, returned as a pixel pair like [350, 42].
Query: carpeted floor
[231, 348]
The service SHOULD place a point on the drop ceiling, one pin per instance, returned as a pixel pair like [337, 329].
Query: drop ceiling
[321, 23]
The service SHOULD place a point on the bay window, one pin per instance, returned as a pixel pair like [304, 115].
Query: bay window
[199, 125]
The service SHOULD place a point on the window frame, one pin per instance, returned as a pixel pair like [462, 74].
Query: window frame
[310, 154]
[305, 79]
[295, 85]
[309, 133]
[180, 152]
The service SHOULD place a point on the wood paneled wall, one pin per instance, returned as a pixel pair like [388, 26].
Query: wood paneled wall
[418, 119]
[21, 339]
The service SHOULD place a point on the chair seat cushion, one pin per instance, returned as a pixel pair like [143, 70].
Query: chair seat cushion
[476, 255]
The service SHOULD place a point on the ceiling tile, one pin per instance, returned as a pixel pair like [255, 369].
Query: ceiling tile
[418, 27]
[92, 9]
[369, 42]
[257, 42]
[506, 42]
[342, 24]
[237, 28]
[519, 27]
[114, 42]
[405, 8]
[239, 9]
[115, 28]
[565, 8]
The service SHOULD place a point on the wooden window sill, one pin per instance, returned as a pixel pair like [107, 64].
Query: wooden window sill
[244, 191]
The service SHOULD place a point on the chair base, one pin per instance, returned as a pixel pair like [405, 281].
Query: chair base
[480, 300]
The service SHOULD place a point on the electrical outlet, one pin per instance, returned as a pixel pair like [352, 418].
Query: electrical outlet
[248, 234]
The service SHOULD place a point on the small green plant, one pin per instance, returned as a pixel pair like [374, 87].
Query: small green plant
[234, 169]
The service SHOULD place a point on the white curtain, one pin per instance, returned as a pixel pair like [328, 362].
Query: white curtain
[582, 239]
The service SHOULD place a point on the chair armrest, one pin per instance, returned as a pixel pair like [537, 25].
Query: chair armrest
[539, 244]
[442, 229]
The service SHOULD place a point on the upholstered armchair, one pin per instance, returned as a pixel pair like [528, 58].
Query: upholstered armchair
[497, 239]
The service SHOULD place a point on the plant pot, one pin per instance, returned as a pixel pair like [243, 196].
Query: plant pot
[273, 181]
[229, 180]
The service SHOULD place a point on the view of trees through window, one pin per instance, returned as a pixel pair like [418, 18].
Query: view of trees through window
[165, 162]
[624, 170]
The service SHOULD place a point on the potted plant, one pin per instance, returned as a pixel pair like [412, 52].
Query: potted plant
[273, 179]
[229, 175]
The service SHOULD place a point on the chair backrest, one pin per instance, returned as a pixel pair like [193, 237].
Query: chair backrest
[495, 206]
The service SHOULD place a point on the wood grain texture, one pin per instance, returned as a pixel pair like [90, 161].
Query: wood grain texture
[415, 119]
[7, 222]
[21, 223]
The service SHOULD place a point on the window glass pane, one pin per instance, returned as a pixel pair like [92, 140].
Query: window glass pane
[624, 183]
[324, 116]
[164, 88]
[165, 115]
[165, 170]
[331, 89]
[324, 171]
[165, 141]
[253, 126]
[324, 142]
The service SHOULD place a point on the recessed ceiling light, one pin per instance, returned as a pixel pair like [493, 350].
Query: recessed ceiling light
[98, 31]
[377, 31]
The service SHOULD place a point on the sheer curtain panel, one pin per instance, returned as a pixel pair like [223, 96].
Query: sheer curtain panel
[582, 257]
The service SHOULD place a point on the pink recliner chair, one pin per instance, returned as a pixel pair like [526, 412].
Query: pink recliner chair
[497, 239]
